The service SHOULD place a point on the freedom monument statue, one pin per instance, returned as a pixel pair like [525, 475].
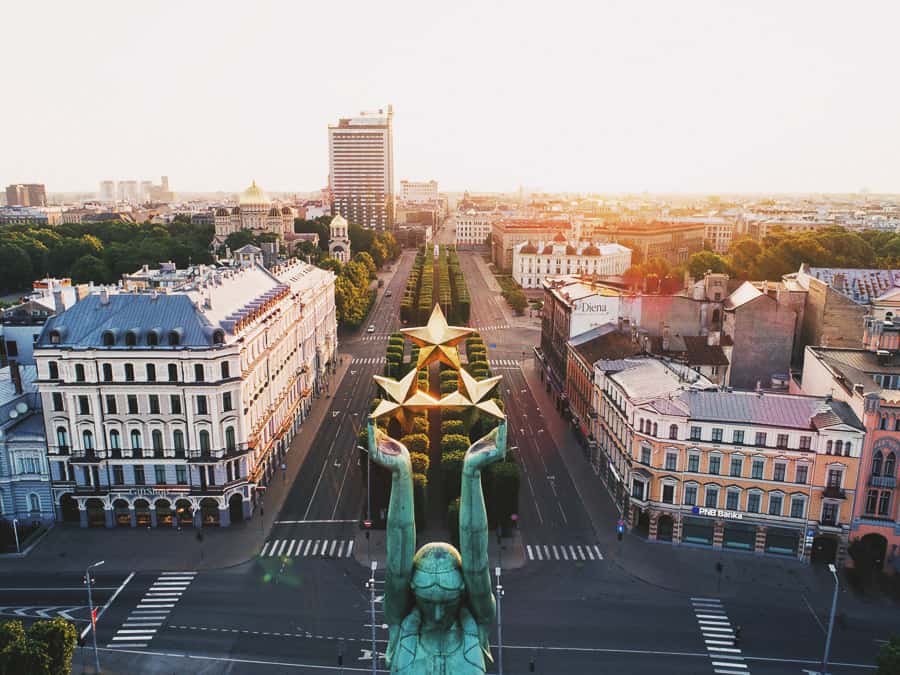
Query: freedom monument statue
[438, 602]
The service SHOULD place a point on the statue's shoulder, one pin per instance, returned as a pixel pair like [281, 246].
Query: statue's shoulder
[407, 641]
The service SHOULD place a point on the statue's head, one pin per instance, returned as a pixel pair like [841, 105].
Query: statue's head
[437, 583]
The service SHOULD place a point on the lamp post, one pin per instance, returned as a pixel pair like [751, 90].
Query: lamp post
[373, 567]
[87, 578]
[499, 624]
[834, 600]
[15, 522]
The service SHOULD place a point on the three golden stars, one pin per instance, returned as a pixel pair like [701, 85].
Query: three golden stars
[437, 342]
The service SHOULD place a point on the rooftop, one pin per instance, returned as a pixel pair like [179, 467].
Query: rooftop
[648, 378]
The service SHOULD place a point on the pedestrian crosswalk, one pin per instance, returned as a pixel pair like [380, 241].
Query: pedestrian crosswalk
[369, 360]
[373, 337]
[720, 638]
[307, 548]
[499, 326]
[564, 552]
[503, 363]
[152, 609]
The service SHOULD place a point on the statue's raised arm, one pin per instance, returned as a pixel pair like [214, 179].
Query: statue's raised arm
[401, 525]
[473, 527]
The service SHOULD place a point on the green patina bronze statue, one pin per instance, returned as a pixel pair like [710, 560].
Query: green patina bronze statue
[438, 602]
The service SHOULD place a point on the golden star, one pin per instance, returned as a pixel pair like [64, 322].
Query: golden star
[474, 395]
[402, 398]
[437, 340]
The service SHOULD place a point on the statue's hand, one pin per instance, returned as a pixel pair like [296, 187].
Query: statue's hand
[486, 450]
[388, 452]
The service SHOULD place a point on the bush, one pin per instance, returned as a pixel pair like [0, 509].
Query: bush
[889, 657]
[454, 443]
[420, 424]
[453, 427]
[46, 649]
[451, 473]
[416, 443]
[420, 497]
[420, 462]
[448, 375]
[449, 386]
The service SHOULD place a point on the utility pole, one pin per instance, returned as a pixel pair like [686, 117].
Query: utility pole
[834, 600]
[374, 566]
[87, 579]
[499, 625]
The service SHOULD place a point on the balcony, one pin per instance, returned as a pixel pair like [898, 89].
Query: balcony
[834, 492]
[829, 521]
[882, 481]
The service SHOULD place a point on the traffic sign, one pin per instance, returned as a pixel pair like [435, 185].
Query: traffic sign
[367, 524]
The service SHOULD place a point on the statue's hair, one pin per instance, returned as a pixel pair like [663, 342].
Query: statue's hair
[434, 556]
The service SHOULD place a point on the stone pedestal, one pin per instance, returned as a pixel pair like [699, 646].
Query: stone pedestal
[109, 517]
[224, 517]
[131, 517]
[152, 517]
[82, 517]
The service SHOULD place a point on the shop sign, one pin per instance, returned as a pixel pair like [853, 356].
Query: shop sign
[146, 492]
[717, 513]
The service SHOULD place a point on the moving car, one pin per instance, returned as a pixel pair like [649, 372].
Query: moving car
[371, 329]
[388, 293]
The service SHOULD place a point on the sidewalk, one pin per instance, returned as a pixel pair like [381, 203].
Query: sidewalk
[679, 568]
[69, 547]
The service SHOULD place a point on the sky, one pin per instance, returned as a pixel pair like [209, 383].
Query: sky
[662, 96]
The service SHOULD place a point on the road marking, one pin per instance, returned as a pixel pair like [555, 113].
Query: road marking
[565, 555]
[537, 550]
[308, 544]
[719, 637]
[314, 522]
[281, 548]
[530, 553]
[350, 548]
[599, 555]
[108, 603]
[299, 546]
[555, 553]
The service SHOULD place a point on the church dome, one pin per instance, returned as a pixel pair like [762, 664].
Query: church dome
[254, 195]
[222, 212]
[274, 211]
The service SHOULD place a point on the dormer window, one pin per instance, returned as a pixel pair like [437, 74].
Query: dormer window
[130, 339]
[153, 338]
[174, 338]
[54, 337]
[109, 338]
[218, 336]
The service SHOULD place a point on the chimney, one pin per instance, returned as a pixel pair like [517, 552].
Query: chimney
[16, 376]
[58, 305]
[104, 296]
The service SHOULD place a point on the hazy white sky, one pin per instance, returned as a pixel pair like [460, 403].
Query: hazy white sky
[599, 95]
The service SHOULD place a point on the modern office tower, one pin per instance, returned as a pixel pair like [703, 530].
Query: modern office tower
[26, 194]
[128, 191]
[108, 190]
[361, 168]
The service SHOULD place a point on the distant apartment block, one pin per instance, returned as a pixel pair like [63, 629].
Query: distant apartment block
[26, 194]
[473, 227]
[674, 242]
[418, 192]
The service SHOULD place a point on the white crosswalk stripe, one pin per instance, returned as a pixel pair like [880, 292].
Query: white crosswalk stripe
[499, 326]
[369, 360]
[719, 637]
[565, 552]
[307, 548]
[503, 363]
[152, 609]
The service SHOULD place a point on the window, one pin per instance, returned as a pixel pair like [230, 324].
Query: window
[690, 494]
[178, 439]
[54, 370]
[57, 401]
[668, 493]
[884, 502]
[174, 338]
[79, 372]
[782, 441]
[655, 429]
[87, 439]
[153, 338]
[151, 372]
[118, 474]
[829, 513]
[805, 442]
[211, 475]
[829, 446]
[201, 406]
[641, 425]
[838, 447]
[156, 439]
[226, 370]
[712, 496]
[715, 464]
[29, 465]
[798, 507]
[737, 467]
[695, 433]
[753, 501]
[181, 475]
[111, 406]
[673, 432]
[83, 406]
[173, 372]
[109, 338]
[637, 489]
[154, 404]
[34, 503]
[132, 404]
[733, 499]
[779, 471]
[775, 501]
[115, 442]
[835, 477]
[107, 372]
[135, 439]
[226, 401]
[716, 435]
[198, 372]
[175, 404]
[761, 439]
[229, 439]
[737, 437]
[62, 438]
[646, 454]
[802, 474]
[139, 478]
[160, 472]
[129, 372]
[889, 464]
[671, 461]
[872, 501]
[756, 469]
[204, 441]
[693, 463]
[130, 339]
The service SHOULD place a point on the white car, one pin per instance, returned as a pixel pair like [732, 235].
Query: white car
[371, 329]
[388, 293]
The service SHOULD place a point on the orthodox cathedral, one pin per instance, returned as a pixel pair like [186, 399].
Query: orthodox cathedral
[256, 212]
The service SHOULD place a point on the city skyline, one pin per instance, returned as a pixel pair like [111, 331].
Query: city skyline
[589, 98]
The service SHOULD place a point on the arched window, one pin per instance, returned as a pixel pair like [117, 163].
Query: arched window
[890, 464]
[229, 439]
[204, 441]
[109, 338]
[34, 503]
[226, 370]
[883, 424]
[87, 438]
[153, 338]
[174, 338]
[655, 429]
[828, 447]
[62, 437]
[838, 447]
[218, 336]
[178, 439]
[641, 425]
[135, 439]
[877, 462]
[114, 440]
[130, 339]
[673, 432]
[156, 439]
[716, 316]
[151, 372]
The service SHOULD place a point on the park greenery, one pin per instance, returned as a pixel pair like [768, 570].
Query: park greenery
[888, 660]
[46, 648]
[453, 294]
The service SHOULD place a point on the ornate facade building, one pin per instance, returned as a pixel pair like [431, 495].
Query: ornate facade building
[255, 212]
[175, 408]
[339, 240]
[533, 262]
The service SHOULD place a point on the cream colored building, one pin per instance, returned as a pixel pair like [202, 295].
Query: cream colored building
[532, 263]
[255, 212]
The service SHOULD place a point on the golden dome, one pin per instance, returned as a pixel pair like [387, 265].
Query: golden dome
[254, 195]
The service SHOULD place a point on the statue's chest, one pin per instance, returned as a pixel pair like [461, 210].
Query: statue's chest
[428, 654]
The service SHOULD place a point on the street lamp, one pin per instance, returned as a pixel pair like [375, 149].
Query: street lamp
[499, 624]
[834, 599]
[371, 585]
[87, 578]
[16, 533]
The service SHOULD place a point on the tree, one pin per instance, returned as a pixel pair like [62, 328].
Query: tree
[451, 443]
[89, 268]
[517, 301]
[707, 261]
[420, 462]
[453, 427]
[15, 267]
[366, 261]
[59, 637]
[46, 649]
[888, 660]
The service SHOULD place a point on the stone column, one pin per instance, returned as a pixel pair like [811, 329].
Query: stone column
[110, 517]
[654, 525]
[224, 517]
[82, 514]
[760, 539]
[718, 533]
[152, 516]
[248, 511]
[131, 517]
